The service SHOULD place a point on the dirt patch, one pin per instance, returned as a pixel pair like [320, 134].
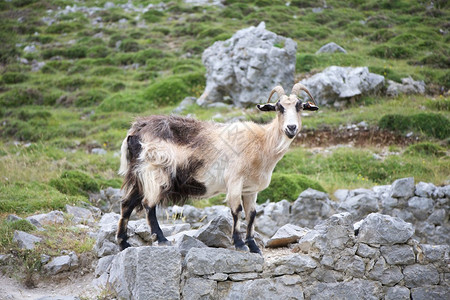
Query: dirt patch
[355, 136]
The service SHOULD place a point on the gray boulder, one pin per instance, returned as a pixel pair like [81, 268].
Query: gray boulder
[420, 275]
[80, 214]
[187, 242]
[286, 235]
[420, 207]
[199, 288]
[384, 273]
[274, 215]
[408, 86]
[62, 263]
[434, 292]
[185, 103]
[52, 218]
[397, 293]
[206, 261]
[217, 233]
[25, 240]
[311, 208]
[434, 254]
[247, 66]
[398, 254]
[378, 229]
[331, 48]
[424, 189]
[336, 84]
[290, 264]
[403, 188]
[146, 273]
[360, 205]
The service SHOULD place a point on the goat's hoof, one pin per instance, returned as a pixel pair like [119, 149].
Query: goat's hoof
[165, 243]
[124, 245]
[253, 247]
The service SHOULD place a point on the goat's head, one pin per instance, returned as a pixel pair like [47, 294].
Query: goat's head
[289, 108]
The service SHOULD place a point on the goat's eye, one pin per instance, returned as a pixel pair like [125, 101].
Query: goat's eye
[298, 106]
[280, 107]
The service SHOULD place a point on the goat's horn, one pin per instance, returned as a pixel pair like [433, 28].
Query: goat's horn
[279, 90]
[300, 87]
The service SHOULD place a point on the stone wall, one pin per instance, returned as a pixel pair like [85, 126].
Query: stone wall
[359, 247]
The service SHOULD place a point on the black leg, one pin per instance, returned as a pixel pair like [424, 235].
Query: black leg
[128, 205]
[249, 240]
[154, 226]
[238, 242]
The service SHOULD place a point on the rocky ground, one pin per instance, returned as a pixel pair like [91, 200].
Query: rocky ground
[388, 241]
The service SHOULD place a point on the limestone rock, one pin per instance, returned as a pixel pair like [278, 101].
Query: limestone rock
[51, 218]
[408, 86]
[287, 234]
[424, 189]
[247, 66]
[420, 207]
[275, 215]
[206, 261]
[398, 293]
[80, 214]
[434, 292]
[335, 84]
[367, 251]
[378, 229]
[420, 275]
[355, 289]
[199, 288]
[61, 263]
[25, 240]
[360, 205]
[187, 242]
[398, 254]
[403, 188]
[311, 208]
[146, 273]
[290, 264]
[331, 48]
[217, 233]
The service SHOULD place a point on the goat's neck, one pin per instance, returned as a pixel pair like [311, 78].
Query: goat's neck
[277, 139]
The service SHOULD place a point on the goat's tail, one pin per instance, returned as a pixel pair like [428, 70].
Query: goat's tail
[124, 158]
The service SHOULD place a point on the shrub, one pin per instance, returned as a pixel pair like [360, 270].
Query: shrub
[440, 104]
[20, 96]
[114, 39]
[425, 149]
[153, 16]
[62, 27]
[98, 52]
[142, 56]
[287, 186]
[382, 35]
[125, 101]
[90, 97]
[391, 51]
[129, 45]
[75, 183]
[76, 52]
[435, 125]
[29, 197]
[14, 77]
[437, 60]
[71, 83]
[167, 91]
[306, 62]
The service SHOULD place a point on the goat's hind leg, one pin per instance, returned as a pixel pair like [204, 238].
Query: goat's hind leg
[154, 225]
[128, 205]
[238, 242]
[250, 214]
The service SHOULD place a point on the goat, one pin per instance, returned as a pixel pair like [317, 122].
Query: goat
[173, 158]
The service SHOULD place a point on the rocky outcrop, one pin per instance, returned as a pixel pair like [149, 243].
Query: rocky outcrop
[25, 240]
[339, 85]
[408, 86]
[331, 48]
[247, 66]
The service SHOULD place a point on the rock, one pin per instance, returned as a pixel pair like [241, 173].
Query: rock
[434, 253]
[424, 189]
[216, 233]
[351, 265]
[30, 49]
[435, 292]
[420, 207]
[186, 243]
[199, 288]
[146, 273]
[286, 235]
[105, 243]
[408, 86]
[438, 217]
[385, 274]
[360, 205]
[420, 275]
[25, 240]
[243, 276]
[378, 229]
[367, 251]
[12, 218]
[185, 103]
[326, 275]
[311, 208]
[172, 229]
[98, 151]
[331, 48]
[341, 194]
[355, 289]
[398, 254]
[403, 188]
[61, 263]
[284, 287]
[247, 66]
[206, 261]
[336, 84]
[397, 293]
[290, 264]
[51, 218]
[103, 265]
[275, 215]
[217, 276]
[109, 219]
[58, 298]
[80, 214]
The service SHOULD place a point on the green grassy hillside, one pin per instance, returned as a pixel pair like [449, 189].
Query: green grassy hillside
[74, 79]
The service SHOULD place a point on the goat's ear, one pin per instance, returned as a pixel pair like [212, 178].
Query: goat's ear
[309, 106]
[266, 107]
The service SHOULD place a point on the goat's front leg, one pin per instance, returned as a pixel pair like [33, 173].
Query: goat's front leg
[249, 202]
[154, 225]
[234, 201]
[132, 200]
